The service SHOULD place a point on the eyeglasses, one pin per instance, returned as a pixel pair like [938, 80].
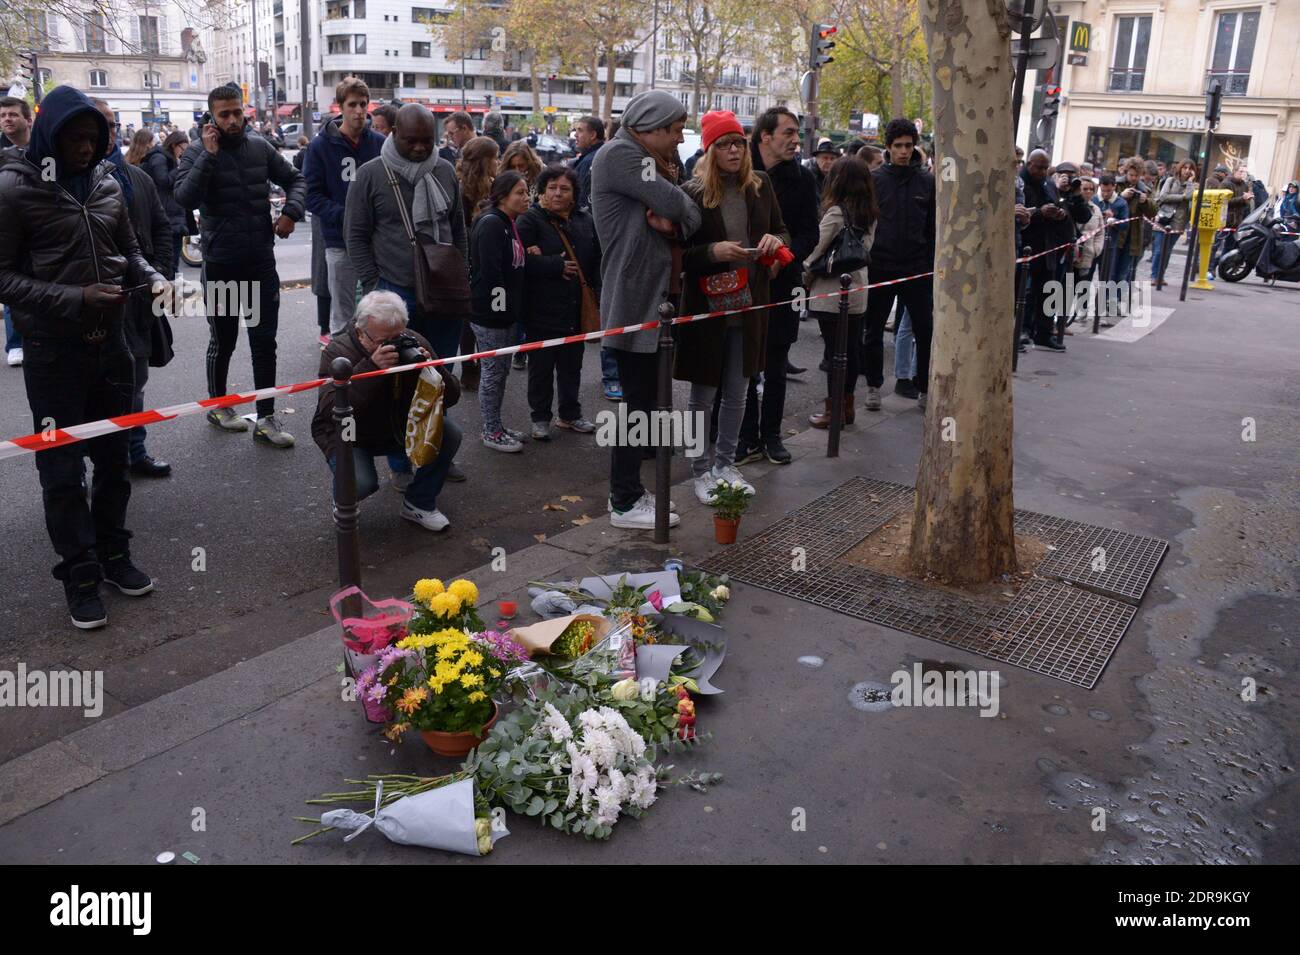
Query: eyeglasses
[732, 144]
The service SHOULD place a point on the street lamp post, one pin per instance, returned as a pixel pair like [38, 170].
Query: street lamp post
[257, 64]
[149, 74]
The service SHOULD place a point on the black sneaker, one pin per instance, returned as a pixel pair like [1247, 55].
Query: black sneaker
[824, 365]
[126, 577]
[82, 592]
[776, 452]
[906, 388]
[749, 455]
[519, 362]
[151, 467]
[792, 369]
[1049, 344]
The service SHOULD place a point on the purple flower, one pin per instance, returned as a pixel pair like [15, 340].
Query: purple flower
[391, 655]
[366, 680]
[503, 647]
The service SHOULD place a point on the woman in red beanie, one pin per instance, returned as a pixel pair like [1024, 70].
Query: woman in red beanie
[728, 263]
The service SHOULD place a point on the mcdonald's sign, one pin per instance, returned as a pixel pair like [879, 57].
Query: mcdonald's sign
[1080, 37]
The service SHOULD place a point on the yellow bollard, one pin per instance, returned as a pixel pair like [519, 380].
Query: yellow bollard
[1214, 215]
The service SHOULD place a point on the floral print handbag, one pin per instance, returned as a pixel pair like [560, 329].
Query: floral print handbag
[727, 290]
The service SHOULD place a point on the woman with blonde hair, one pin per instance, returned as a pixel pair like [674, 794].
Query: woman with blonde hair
[141, 143]
[520, 158]
[476, 168]
[728, 263]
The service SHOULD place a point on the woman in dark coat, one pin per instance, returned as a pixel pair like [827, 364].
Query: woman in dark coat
[160, 163]
[496, 286]
[553, 232]
[740, 212]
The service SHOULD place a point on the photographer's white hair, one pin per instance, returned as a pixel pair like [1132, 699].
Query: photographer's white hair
[387, 307]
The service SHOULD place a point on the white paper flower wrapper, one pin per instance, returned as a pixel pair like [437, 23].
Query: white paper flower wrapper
[441, 818]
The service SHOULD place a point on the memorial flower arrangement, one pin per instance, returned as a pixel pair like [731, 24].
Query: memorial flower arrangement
[443, 607]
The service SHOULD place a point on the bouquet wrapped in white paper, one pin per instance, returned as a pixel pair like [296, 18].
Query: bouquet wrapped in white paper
[442, 818]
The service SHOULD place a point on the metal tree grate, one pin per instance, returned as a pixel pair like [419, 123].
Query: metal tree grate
[1049, 627]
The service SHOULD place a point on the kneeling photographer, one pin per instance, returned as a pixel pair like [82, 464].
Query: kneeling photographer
[379, 338]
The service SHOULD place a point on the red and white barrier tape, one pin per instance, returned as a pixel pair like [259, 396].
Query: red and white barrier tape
[58, 437]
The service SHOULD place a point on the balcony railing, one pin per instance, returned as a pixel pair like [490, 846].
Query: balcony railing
[1127, 81]
[1234, 82]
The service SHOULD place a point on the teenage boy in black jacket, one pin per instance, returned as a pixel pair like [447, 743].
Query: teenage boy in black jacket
[904, 245]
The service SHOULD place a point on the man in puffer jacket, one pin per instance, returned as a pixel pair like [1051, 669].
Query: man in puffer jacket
[67, 251]
[227, 175]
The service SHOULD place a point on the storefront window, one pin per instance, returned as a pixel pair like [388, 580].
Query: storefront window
[1107, 148]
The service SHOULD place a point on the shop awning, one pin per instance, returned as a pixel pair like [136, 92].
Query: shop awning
[286, 109]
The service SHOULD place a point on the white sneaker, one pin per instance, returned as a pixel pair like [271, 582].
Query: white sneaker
[270, 431]
[640, 516]
[704, 485]
[15, 357]
[731, 476]
[873, 399]
[647, 496]
[433, 520]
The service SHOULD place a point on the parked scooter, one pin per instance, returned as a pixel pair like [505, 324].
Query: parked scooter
[1264, 247]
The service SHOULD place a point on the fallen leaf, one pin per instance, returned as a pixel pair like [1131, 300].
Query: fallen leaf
[570, 498]
[539, 537]
[554, 507]
[582, 521]
[873, 498]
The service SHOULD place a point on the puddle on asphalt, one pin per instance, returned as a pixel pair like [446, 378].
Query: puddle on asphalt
[1211, 757]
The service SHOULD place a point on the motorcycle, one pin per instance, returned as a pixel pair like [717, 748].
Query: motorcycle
[191, 248]
[1263, 233]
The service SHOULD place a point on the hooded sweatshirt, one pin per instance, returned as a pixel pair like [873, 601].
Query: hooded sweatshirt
[61, 105]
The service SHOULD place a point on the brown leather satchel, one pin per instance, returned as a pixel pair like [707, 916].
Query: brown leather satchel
[590, 320]
[441, 278]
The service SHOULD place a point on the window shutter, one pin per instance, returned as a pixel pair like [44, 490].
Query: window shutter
[167, 44]
[135, 33]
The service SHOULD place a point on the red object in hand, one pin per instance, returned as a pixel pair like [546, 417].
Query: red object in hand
[782, 257]
[508, 608]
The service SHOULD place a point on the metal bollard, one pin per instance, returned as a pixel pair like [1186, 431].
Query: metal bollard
[1166, 251]
[1022, 295]
[1104, 269]
[345, 488]
[663, 453]
[839, 363]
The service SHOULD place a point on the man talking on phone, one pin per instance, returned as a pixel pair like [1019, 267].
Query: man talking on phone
[68, 255]
[226, 175]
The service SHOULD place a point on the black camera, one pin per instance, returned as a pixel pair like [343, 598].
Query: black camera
[409, 350]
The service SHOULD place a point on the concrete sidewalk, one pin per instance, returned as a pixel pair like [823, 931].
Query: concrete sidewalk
[1140, 436]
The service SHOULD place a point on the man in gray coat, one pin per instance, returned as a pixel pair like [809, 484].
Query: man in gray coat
[641, 218]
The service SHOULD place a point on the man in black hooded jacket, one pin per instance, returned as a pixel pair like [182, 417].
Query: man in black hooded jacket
[67, 252]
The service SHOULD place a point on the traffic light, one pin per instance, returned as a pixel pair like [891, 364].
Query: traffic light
[822, 44]
[1051, 102]
[550, 83]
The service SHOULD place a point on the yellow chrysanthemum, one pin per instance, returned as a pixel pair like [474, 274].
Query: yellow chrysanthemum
[465, 590]
[495, 673]
[428, 588]
[477, 695]
[470, 679]
[394, 731]
[444, 604]
[436, 684]
[472, 658]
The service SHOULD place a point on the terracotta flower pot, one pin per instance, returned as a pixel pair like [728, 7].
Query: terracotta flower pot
[724, 529]
[458, 744]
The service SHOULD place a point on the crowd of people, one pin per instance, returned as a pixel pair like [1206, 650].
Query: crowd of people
[436, 239]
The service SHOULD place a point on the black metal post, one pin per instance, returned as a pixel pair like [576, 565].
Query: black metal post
[663, 453]
[1022, 296]
[1104, 267]
[345, 486]
[1166, 252]
[839, 365]
[1022, 67]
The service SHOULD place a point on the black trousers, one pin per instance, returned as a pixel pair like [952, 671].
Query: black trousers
[68, 383]
[1040, 319]
[550, 367]
[224, 321]
[763, 419]
[917, 296]
[638, 373]
[852, 366]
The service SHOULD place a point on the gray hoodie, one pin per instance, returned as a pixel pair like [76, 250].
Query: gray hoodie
[635, 259]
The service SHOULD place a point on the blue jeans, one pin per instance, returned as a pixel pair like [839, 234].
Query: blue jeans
[428, 481]
[1120, 267]
[12, 338]
[442, 333]
[608, 367]
[1158, 240]
[904, 348]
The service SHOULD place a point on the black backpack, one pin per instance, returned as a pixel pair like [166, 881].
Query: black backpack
[847, 253]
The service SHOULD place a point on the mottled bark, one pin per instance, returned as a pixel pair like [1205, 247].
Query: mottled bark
[963, 520]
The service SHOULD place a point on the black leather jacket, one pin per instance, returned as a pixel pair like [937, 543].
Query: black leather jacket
[231, 190]
[905, 231]
[52, 247]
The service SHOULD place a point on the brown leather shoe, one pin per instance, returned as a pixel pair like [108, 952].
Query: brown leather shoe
[822, 419]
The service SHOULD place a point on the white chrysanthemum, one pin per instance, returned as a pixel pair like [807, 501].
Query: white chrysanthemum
[737, 486]
[644, 788]
[607, 806]
[619, 784]
[600, 746]
[554, 725]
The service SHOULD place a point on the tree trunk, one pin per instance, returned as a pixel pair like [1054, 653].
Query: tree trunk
[611, 73]
[897, 101]
[695, 100]
[593, 76]
[532, 75]
[963, 518]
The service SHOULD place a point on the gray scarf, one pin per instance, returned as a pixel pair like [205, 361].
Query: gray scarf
[429, 210]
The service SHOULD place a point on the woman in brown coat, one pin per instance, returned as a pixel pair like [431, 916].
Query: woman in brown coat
[741, 225]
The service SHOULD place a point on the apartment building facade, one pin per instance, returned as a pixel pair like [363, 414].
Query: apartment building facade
[1142, 88]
